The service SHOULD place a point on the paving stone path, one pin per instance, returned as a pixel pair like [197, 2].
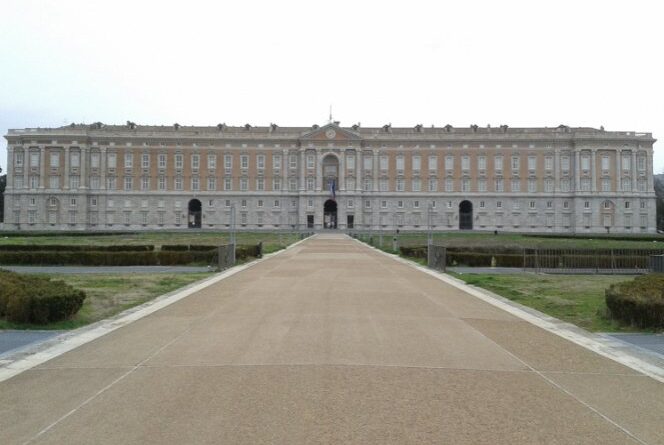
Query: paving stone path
[331, 342]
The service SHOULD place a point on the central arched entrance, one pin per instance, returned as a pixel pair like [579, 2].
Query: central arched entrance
[466, 215]
[195, 214]
[330, 214]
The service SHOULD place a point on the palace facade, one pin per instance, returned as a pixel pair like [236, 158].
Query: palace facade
[131, 177]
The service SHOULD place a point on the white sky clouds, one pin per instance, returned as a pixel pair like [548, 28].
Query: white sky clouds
[519, 63]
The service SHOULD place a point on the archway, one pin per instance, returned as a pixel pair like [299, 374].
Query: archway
[195, 214]
[330, 214]
[466, 215]
[331, 174]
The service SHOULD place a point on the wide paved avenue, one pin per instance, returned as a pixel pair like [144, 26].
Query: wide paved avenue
[331, 342]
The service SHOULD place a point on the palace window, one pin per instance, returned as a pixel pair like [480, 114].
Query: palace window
[195, 161]
[228, 184]
[228, 162]
[532, 185]
[195, 184]
[516, 185]
[276, 162]
[498, 163]
[179, 161]
[292, 184]
[311, 162]
[161, 183]
[161, 160]
[449, 162]
[500, 186]
[368, 164]
[128, 183]
[465, 162]
[400, 164]
[383, 183]
[311, 183]
[350, 162]
[178, 183]
[449, 185]
[111, 182]
[128, 160]
[516, 163]
[548, 185]
[260, 162]
[366, 186]
[433, 163]
[532, 163]
[481, 162]
[244, 162]
[606, 164]
[212, 162]
[548, 163]
[417, 185]
[292, 161]
[54, 182]
[34, 159]
[75, 159]
[433, 184]
[276, 184]
[383, 162]
[145, 183]
[211, 183]
[55, 159]
[74, 182]
[244, 184]
[145, 160]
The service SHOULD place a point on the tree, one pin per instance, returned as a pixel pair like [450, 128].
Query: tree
[659, 192]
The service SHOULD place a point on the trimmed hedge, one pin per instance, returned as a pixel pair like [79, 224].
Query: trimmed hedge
[145, 258]
[74, 248]
[30, 299]
[639, 302]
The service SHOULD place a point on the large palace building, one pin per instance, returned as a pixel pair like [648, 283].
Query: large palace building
[101, 177]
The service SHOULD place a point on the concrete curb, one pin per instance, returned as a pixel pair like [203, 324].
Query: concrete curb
[33, 355]
[618, 351]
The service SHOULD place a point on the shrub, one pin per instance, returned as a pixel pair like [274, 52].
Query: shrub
[639, 302]
[75, 248]
[174, 247]
[29, 299]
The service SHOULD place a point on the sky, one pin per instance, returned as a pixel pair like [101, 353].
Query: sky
[520, 63]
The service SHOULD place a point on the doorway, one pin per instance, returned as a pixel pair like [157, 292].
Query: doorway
[330, 214]
[195, 214]
[310, 221]
[466, 215]
[350, 221]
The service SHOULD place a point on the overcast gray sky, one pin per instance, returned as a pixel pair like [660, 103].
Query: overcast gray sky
[521, 63]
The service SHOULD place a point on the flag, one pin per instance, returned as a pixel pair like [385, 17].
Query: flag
[333, 189]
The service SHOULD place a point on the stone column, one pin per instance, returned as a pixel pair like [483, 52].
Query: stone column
[319, 171]
[618, 170]
[302, 175]
[26, 167]
[10, 167]
[42, 167]
[84, 170]
[102, 168]
[577, 170]
[376, 171]
[556, 170]
[358, 169]
[65, 176]
[634, 172]
[593, 172]
[649, 171]
[342, 172]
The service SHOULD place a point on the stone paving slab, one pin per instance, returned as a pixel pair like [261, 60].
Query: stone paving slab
[301, 350]
[11, 340]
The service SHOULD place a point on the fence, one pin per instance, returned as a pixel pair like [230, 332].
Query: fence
[599, 261]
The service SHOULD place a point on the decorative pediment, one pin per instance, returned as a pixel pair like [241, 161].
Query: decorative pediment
[330, 133]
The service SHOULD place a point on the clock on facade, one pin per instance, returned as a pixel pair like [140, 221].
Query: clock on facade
[330, 133]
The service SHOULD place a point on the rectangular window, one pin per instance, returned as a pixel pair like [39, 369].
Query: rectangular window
[292, 184]
[400, 164]
[481, 185]
[368, 163]
[516, 163]
[499, 204]
[417, 185]
[228, 184]
[244, 184]
[449, 185]
[564, 163]
[162, 160]
[641, 163]
[94, 182]
[532, 205]
[54, 182]
[516, 185]
[350, 183]
[277, 204]
[179, 161]
[498, 163]
[75, 159]
[195, 183]
[500, 186]
[548, 185]
[55, 160]
[128, 160]
[18, 158]
[433, 163]
[228, 162]
[34, 159]
[244, 162]
[276, 184]
[626, 162]
[585, 184]
[145, 160]
[366, 185]
[350, 162]
[465, 162]
[585, 163]
[367, 204]
[481, 162]
[128, 183]
[211, 183]
[74, 182]
[449, 162]
[260, 184]
[548, 163]
[292, 161]
[311, 161]
[532, 163]
[383, 204]
[433, 184]
[111, 183]
[212, 162]
[384, 160]
[260, 162]
[606, 163]
[626, 184]
[195, 161]
[532, 185]
[383, 185]
[606, 185]
[161, 183]
[565, 185]
[465, 185]
[145, 183]
[276, 162]
[178, 183]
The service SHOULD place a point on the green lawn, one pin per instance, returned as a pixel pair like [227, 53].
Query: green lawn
[110, 294]
[578, 299]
